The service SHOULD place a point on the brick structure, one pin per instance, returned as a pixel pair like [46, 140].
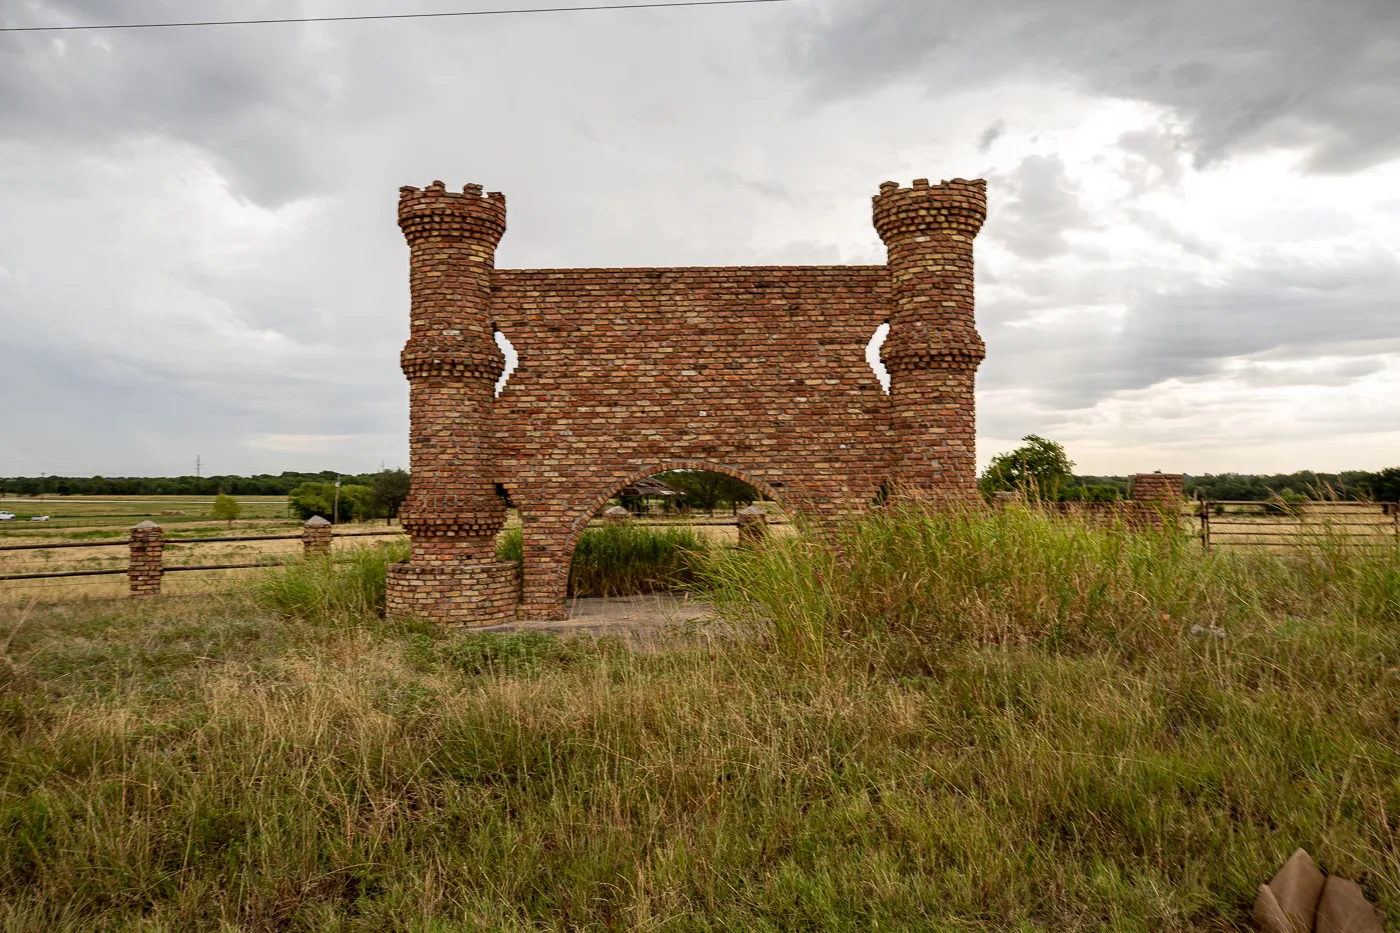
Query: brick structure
[316, 537]
[617, 515]
[1156, 497]
[143, 571]
[758, 372]
[1157, 487]
[753, 524]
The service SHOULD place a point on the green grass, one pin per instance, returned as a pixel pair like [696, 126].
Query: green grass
[328, 588]
[626, 560]
[73, 512]
[949, 722]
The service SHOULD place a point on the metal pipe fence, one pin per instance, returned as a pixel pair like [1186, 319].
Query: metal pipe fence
[1285, 523]
[145, 563]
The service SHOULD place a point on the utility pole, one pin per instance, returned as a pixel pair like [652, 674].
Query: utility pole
[335, 509]
[196, 466]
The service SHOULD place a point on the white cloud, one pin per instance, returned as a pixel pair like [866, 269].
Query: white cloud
[212, 263]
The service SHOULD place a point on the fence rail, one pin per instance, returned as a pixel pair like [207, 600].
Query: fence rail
[146, 545]
[1280, 523]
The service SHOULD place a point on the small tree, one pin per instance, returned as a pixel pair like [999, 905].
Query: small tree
[227, 508]
[1038, 468]
[390, 489]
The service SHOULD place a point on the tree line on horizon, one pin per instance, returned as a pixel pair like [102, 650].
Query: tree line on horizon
[1042, 468]
[1038, 461]
[261, 484]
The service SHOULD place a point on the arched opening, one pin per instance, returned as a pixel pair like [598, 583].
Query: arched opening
[639, 552]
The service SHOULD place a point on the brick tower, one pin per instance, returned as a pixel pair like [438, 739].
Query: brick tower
[451, 360]
[933, 349]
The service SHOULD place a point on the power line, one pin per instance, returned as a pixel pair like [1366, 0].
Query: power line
[344, 19]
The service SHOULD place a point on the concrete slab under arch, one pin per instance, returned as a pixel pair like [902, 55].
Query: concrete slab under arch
[637, 618]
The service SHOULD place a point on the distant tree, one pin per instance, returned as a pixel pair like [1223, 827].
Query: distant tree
[1090, 493]
[390, 489]
[705, 489]
[701, 487]
[310, 499]
[1385, 485]
[227, 508]
[736, 492]
[356, 502]
[1039, 468]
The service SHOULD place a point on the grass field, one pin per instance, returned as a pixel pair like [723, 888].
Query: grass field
[92, 512]
[932, 722]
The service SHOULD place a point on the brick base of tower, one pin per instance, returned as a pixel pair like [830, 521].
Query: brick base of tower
[466, 592]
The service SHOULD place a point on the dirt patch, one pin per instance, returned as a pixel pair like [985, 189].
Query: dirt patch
[639, 619]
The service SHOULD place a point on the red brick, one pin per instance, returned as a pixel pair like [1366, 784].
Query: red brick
[758, 372]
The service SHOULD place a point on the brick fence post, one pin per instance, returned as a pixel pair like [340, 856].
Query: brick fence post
[316, 538]
[753, 524]
[143, 570]
[616, 515]
[1156, 497]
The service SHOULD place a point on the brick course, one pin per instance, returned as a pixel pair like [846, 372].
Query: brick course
[757, 371]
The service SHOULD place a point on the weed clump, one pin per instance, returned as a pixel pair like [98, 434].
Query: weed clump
[626, 560]
[339, 587]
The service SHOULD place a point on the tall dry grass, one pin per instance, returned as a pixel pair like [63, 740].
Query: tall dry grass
[1063, 759]
[945, 574]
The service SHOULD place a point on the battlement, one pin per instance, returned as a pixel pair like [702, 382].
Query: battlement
[955, 207]
[435, 212]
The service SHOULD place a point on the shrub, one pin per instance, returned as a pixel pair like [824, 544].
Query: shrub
[625, 560]
[226, 508]
[326, 588]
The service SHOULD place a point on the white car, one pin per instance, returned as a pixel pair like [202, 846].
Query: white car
[39, 518]
[7, 516]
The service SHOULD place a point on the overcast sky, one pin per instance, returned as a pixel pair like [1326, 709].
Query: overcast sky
[1189, 264]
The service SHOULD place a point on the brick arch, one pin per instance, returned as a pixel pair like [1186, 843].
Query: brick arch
[589, 511]
[585, 514]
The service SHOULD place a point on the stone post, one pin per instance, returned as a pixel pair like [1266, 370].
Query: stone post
[1156, 497]
[143, 570]
[616, 515]
[753, 524]
[316, 537]
[933, 349]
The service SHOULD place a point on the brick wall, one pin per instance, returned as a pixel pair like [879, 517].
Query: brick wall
[758, 372]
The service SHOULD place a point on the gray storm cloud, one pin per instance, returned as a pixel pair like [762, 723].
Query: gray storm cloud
[1312, 74]
[198, 249]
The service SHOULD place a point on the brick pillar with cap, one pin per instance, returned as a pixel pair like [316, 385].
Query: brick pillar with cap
[753, 524]
[143, 571]
[316, 537]
[1156, 497]
[933, 349]
[452, 513]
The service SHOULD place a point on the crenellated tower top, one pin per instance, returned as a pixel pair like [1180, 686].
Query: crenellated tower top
[953, 208]
[436, 213]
